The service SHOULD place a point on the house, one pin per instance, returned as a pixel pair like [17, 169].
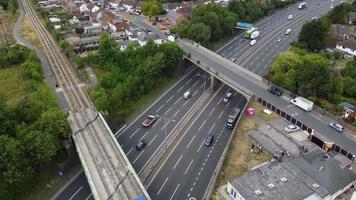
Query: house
[313, 176]
[347, 46]
[104, 17]
[92, 28]
[71, 6]
[118, 25]
[349, 109]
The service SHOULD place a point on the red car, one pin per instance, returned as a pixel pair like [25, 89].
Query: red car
[149, 121]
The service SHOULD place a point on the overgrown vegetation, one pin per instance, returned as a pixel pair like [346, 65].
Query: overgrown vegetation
[32, 129]
[211, 22]
[130, 74]
[9, 5]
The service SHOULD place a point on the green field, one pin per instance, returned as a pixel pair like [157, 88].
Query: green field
[12, 85]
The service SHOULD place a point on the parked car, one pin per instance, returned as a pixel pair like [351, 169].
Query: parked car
[140, 145]
[227, 97]
[291, 128]
[275, 91]
[149, 121]
[336, 126]
[209, 140]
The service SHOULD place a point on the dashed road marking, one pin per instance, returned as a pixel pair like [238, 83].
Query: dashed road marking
[162, 186]
[202, 125]
[177, 162]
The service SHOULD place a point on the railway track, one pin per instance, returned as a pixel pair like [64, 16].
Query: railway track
[109, 173]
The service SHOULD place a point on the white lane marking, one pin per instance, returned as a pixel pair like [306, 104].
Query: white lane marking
[196, 82]
[134, 133]
[166, 124]
[212, 128]
[162, 186]
[129, 151]
[143, 135]
[211, 111]
[160, 108]
[138, 156]
[75, 193]
[195, 92]
[188, 166]
[202, 125]
[190, 142]
[186, 102]
[177, 100]
[170, 98]
[202, 85]
[180, 88]
[168, 110]
[220, 114]
[186, 83]
[200, 146]
[177, 161]
[152, 140]
[91, 194]
[174, 115]
[156, 122]
[227, 104]
[174, 191]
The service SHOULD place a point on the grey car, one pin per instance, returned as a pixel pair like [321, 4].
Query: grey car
[336, 126]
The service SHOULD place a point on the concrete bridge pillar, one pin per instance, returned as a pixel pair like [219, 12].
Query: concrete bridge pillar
[213, 83]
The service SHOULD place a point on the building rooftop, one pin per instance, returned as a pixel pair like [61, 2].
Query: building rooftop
[310, 176]
[348, 105]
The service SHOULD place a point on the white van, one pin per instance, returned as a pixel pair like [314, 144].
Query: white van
[288, 31]
[290, 17]
[187, 95]
[253, 42]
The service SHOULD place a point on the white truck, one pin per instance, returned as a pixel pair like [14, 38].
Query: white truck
[303, 103]
[254, 35]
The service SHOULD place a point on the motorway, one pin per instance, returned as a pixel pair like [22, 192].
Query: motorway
[190, 160]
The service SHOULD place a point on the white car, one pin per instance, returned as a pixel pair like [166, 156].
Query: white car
[336, 126]
[253, 42]
[291, 128]
[288, 31]
[290, 17]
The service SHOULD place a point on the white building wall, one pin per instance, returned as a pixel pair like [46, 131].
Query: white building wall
[346, 50]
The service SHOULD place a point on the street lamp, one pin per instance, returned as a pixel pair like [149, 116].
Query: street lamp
[205, 77]
[166, 121]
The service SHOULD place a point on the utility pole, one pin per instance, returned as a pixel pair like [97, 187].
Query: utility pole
[3, 30]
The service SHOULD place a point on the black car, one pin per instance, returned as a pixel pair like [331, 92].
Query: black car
[140, 145]
[209, 140]
[275, 91]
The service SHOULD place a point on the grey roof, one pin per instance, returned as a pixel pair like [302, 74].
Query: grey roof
[304, 174]
[348, 105]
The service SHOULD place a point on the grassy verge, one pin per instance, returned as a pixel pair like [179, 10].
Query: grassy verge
[13, 92]
[215, 45]
[259, 111]
[29, 34]
[8, 20]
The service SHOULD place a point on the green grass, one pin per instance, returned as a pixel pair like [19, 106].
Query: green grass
[12, 85]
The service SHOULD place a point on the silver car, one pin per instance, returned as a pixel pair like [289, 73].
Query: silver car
[291, 128]
[336, 126]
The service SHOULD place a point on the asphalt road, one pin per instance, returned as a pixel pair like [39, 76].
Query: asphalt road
[187, 171]
[272, 39]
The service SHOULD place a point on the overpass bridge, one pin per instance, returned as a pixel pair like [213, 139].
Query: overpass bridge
[250, 84]
[108, 171]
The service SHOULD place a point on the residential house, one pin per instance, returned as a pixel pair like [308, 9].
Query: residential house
[313, 176]
[71, 6]
[104, 17]
[92, 28]
[348, 108]
[347, 46]
[118, 25]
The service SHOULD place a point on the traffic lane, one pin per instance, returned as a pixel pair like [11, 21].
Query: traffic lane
[160, 130]
[193, 143]
[77, 189]
[259, 89]
[169, 168]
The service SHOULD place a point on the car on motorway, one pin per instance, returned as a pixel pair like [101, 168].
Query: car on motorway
[279, 39]
[140, 145]
[288, 31]
[291, 128]
[275, 91]
[209, 140]
[187, 95]
[253, 42]
[149, 121]
[336, 126]
[227, 97]
[290, 17]
[233, 59]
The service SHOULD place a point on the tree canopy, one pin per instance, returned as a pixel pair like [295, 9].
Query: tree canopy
[315, 34]
[151, 8]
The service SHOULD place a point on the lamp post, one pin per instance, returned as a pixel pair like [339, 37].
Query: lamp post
[166, 121]
[204, 77]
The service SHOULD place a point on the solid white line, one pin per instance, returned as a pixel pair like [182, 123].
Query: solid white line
[174, 191]
[220, 114]
[212, 128]
[162, 186]
[170, 98]
[152, 140]
[177, 100]
[160, 108]
[138, 156]
[200, 146]
[134, 133]
[188, 166]
[129, 151]
[91, 194]
[120, 130]
[75, 193]
[211, 111]
[174, 115]
[180, 88]
[177, 162]
[190, 142]
[202, 125]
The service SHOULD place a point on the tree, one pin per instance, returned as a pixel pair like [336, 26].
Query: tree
[182, 28]
[79, 30]
[108, 51]
[101, 99]
[151, 8]
[199, 32]
[53, 122]
[315, 34]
